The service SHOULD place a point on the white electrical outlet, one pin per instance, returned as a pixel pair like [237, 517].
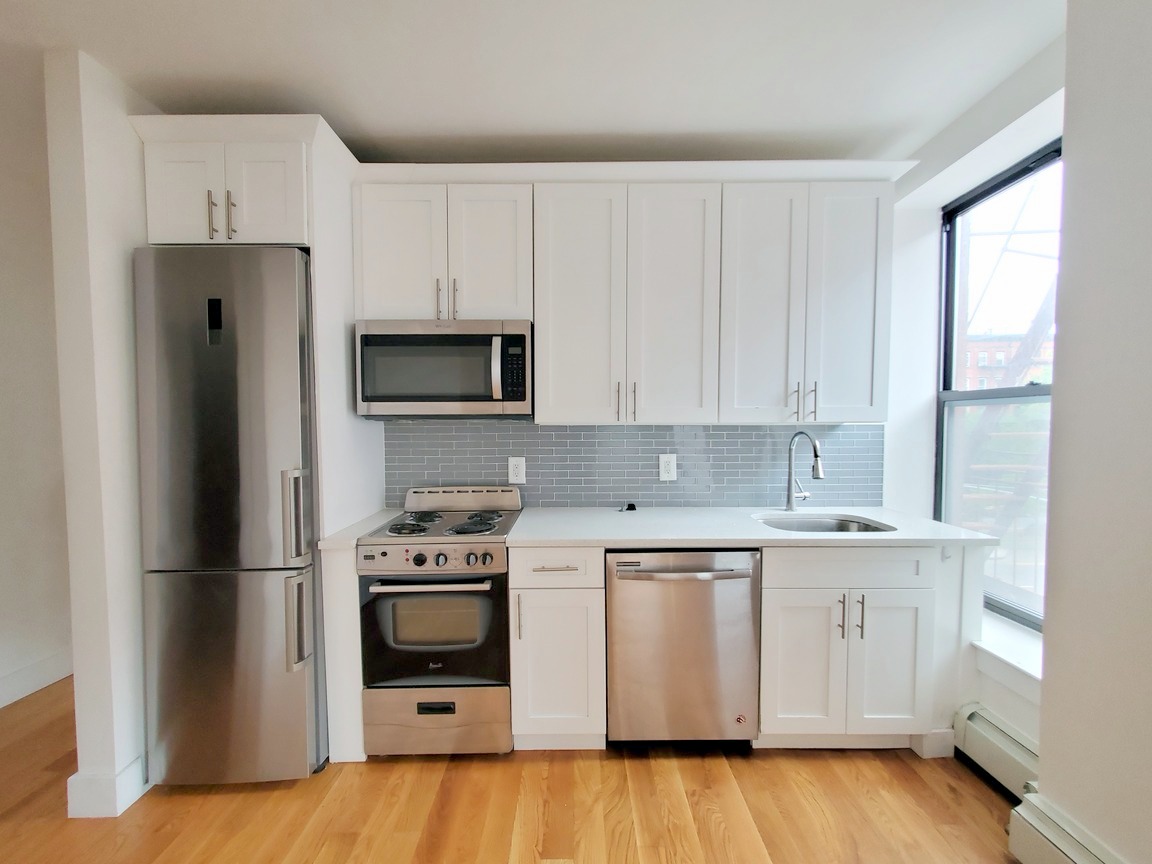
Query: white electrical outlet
[667, 466]
[517, 473]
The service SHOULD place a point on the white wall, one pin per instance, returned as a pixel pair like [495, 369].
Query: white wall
[35, 637]
[910, 433]
[351, 449]
[1096, 765]
[97, 188]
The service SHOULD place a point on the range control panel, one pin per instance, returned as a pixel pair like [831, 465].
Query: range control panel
[431, 560]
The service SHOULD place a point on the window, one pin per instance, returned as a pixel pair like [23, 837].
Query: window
[1002, 256]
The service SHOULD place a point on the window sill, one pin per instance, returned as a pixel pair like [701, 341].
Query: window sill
[1012, 655]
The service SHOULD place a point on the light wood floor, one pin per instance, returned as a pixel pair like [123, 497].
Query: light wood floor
[654, 805]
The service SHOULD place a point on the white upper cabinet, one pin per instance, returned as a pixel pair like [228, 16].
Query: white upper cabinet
[765, 265]
[401, 240]
[806, 302]
[435, 251]
[227, 192]
[627, 302]
[490, 251]
[581, 234]
[673, 302]
[849, 302]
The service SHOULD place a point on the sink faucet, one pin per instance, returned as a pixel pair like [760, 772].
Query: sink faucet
[817, 470]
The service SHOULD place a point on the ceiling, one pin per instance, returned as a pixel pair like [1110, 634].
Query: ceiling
[546, 80]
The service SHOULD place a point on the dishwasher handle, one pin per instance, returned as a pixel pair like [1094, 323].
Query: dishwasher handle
[682, 575]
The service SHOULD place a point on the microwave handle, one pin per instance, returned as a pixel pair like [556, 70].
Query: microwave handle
[497, 356]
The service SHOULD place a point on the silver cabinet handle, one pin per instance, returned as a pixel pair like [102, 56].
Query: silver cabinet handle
[567, 568]
[843, 616]
[292, 509]
[212, 229]
[799, 390]
[431, 588]
[617, 400]
[229, 221]
[295, 623]
[861, 624]
[497, 352]
[633, 401]
[519, 617]
[815, 398]
[439, 293]
[455, 298]
[682, 576]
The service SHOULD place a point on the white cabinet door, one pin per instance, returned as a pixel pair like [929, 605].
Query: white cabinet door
[890, 660]
[401, 239]
[673, 302]
[849, 302]
[268, 187]
[762, 302]
[185, 193]
[804, 660]
[558, 662]
[581, 247]
[490, 251]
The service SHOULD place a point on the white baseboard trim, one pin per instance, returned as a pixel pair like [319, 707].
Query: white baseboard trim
[559, 742]
[833, 742]
[93, 796]
[35, 676]
[1039, 833]
[937, 744]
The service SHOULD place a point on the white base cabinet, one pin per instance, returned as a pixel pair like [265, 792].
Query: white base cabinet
[558, 664]
[850, 658]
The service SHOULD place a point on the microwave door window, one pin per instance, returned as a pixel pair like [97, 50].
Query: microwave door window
[419, 371]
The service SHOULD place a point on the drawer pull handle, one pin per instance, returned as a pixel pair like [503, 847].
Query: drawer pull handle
[567, 568]
[435, 707]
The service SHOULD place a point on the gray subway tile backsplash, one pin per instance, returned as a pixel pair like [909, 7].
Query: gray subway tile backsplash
[599, 466]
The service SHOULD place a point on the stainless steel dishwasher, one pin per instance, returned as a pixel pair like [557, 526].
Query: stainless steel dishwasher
[683, 645]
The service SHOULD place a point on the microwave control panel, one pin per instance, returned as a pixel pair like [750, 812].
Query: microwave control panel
[514, 369]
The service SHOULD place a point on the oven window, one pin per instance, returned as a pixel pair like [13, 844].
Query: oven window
[423, 369]
[434, 622]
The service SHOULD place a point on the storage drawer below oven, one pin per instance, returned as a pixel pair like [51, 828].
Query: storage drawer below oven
[423, 720]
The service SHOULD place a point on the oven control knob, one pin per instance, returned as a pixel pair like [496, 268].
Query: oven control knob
[419, 559]
[441, 559]
[470, 559]
[486, 558]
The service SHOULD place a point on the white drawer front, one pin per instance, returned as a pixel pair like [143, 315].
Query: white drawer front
[855, 567]
[568, 567]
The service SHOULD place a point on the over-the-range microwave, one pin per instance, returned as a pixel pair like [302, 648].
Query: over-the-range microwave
[444, 368]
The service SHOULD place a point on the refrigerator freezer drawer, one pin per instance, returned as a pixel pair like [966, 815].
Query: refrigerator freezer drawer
[229, 676]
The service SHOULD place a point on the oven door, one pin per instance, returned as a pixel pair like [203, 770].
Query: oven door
[443, 368]
[452, 634]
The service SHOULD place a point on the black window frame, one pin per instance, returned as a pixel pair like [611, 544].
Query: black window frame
[948, 370]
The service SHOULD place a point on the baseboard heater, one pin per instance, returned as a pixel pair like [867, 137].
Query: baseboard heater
[994, 746]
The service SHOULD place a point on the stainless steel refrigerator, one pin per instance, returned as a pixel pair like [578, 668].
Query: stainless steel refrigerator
[234, 689]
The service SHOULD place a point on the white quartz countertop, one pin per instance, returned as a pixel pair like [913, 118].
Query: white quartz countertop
[684, 527]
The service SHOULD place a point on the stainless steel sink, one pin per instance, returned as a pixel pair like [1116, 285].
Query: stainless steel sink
[819, 522]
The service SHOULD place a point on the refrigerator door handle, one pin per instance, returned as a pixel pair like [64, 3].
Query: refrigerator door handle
[295, 623]
[292, 507]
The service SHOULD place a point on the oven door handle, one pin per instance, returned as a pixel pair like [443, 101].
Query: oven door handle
[431, 589]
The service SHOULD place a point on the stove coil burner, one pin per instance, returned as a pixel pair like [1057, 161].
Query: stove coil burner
[472, 527]
[424, 517]
[407, 529]
[485, 516]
